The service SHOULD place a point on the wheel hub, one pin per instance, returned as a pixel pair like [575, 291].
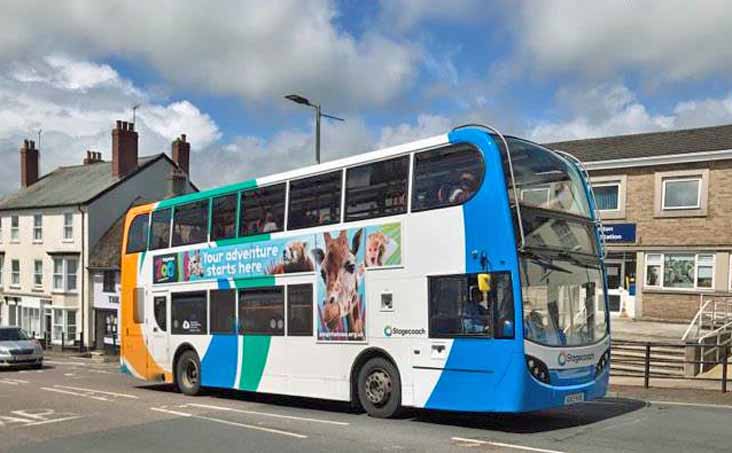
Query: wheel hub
[378, 387]
[190, 375]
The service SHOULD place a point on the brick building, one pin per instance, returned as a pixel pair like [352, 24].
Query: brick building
[666, 203]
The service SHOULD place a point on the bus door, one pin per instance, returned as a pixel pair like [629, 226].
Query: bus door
[157, 335]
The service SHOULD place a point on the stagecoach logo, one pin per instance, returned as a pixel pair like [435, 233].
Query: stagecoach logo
[564, 358]
[396, 331]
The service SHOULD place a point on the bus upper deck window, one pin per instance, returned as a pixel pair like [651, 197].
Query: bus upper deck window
[190, 223]
[315, 201]
[262, 210]
[223, 217]
[160, 230]
[446, 176]
[137, 234]
[378, 189]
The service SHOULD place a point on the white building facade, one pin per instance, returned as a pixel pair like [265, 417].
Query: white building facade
[50, 227]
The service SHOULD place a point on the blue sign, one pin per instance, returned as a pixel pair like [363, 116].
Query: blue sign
[619, 232]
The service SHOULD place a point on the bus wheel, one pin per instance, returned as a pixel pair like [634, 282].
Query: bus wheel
[379, 388]
[188, 373]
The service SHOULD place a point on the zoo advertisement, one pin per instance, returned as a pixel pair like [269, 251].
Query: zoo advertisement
[341, 259]
[255, 259]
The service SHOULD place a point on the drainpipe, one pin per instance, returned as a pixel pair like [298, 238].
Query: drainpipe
[82, 268]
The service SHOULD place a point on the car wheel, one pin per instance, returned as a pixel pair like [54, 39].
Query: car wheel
[379, 388]
[188, 373]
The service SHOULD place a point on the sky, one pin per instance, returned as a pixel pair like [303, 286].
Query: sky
[395, 70]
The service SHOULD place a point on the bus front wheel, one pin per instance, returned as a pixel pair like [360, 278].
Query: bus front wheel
[379, 388]
[188, 373]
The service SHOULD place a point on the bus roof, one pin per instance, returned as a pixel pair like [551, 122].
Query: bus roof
[310, 170]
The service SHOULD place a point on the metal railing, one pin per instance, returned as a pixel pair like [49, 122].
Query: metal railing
[643, 359]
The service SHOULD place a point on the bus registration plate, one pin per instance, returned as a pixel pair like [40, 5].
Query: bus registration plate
[574, 398]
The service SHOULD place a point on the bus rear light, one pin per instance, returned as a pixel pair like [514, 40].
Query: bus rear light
[603, 363]
[537, 369]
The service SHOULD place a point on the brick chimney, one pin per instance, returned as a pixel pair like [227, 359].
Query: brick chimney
[92, 157]
[177, 183]
[124, 149]
[182, 153]
[28, 163]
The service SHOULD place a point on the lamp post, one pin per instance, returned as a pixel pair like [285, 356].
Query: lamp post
[318, 113]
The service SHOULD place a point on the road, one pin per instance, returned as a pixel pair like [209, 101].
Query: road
[74, 405]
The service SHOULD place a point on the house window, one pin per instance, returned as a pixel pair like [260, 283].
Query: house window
[15, 273]
[14, 228]
[1, 229]
[2, 268]
[38, 273]
[37, 228]
[108, 282]
[65, 274]
[607, 196]
[682, 193]
[71, 325]
[680, 270]
[68, 226]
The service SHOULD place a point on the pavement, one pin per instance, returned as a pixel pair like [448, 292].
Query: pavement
[629, 329]
[77, 405]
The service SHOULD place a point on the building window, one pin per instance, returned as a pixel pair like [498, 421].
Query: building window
[14, 228]
[65, 274]
[37, 228]
[68, 226]
[680, 270]
[315, 201]
[682, 193]
[2, 268]
[108, 282]
[607, 196]
[378, 189]
[1, 229]
[15, 273]
[38, 274]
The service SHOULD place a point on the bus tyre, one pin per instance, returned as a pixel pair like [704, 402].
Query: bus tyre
[188, 373]
[379, 388]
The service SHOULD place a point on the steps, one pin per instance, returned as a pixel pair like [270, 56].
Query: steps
[629, 359]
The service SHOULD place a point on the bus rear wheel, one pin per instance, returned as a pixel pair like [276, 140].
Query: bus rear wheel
[188, 373]
[379, 388]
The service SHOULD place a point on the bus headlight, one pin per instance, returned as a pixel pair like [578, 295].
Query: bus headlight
[537, 369]
[603, 363]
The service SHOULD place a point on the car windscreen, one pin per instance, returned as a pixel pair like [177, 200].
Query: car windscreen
[12, 335]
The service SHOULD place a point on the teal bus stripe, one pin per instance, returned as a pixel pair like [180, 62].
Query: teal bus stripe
[245, 239]
[254, 359]
[195, 196]
[254, 282]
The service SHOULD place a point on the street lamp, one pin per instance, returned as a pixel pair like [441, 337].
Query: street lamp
[318, 113]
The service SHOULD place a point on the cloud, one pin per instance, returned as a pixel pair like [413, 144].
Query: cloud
[76, 104]
[426, 126]
[236, 48]
[664, 39]
[613, 109]
[405, 15]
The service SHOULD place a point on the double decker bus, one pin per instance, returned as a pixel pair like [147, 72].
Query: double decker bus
[462, 272]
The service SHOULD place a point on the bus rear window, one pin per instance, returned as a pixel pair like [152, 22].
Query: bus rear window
[446, 176]
[137, 234]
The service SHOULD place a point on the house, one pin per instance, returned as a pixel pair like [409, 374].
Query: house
[50, 227]
[665, 199]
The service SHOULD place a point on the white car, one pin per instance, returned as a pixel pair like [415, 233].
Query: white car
[19, 350]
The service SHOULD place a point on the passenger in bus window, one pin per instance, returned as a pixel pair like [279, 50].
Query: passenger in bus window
[269, 223]
[460, 192]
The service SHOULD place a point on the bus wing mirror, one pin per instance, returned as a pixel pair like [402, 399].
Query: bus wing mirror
[484, 283]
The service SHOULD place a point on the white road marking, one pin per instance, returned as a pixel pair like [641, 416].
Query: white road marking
[267, 414]
[230, 423]
[13, 381]
[59, 362]
[504, 445]
[103, 392]
[83, 395]
[683, 404]
[48, 422]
